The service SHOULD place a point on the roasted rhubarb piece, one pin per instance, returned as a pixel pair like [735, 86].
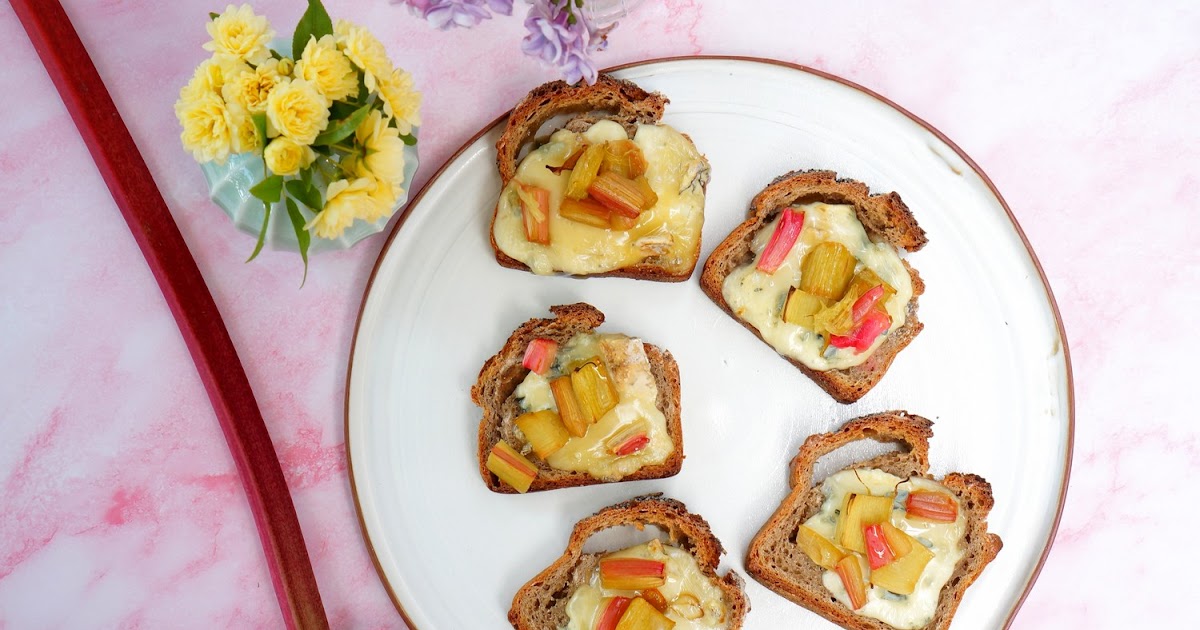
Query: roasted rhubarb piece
[594, 389]
[621, 222]
[902, 574]
[800, 308]
[630, 439]
[786, 233]
[511, 467]
[632, 574]
[585, 211]
[850, 571]
[861, 510]
[624, 158]
[649, 197]
[641, 615]
[613, 609]
[932, 506]
[818, 548]
[655, 598]
[539, 356]
[827, 270]
[868, 330]
[878, 551]
[619, 194]
[544, 431]
[899, 542]
[569, 411]
[586, 168]
[535, 213]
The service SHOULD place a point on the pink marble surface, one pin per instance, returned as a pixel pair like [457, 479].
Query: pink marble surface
[120, 505]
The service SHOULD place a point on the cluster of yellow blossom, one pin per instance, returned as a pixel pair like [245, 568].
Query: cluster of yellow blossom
[244, 79]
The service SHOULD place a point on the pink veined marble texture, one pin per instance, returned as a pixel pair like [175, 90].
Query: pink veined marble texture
[119, 504]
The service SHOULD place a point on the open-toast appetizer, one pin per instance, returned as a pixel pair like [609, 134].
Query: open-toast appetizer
[613, 193]
[879, 544]
[815, 272]
[564, 405]
[659, 584]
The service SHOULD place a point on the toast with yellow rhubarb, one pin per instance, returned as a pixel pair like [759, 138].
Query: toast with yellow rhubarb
[815, 272]
[614, 192]
[879, 544]
[564, 405]
[663, 583]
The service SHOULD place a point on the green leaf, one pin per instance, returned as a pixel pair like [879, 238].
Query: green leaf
[260, 126]
[269, 190]
[262, 233]
[409, 139]
[302, 235]
[340, 130]
[341, 109]
[305, 193]
[213, 16]
[314, 23]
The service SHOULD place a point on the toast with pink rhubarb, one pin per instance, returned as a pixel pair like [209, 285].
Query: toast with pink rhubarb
[880, 544]
[564, 405]
[669, 581]
[815, 272]
[612, 192]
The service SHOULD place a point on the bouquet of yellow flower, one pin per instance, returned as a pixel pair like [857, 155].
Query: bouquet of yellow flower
[330, 122]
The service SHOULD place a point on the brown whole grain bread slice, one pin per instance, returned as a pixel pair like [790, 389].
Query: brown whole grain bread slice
[886, 219]
[501, 374]
[541, 603]
[610, 98]
[776, 561]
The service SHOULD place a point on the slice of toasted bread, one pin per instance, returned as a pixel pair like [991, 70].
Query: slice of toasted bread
[541, 603]
[885, 218]
[775, 560]
[609, 98]
[501, 374]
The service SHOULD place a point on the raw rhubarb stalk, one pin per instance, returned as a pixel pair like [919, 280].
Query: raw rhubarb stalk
[539, 355]
[632, 574]
[932, 506]
[787, 231]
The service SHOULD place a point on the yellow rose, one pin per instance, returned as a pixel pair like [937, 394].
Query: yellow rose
[327, 69]
[382, 150]
[364, 50]
[208, 128]
[297, 110]
[384, 194]
[244, 133]
[400, 100]
[250, 88]
[285, 157]
[345, 201]
[240, 34]
[210, 77]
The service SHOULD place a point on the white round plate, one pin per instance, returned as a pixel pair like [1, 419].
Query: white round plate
[990, 369]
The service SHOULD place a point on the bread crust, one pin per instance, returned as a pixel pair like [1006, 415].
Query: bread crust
[500, 375]
[775, 561]
[552, 587]
[886, 219]
[625, 103]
